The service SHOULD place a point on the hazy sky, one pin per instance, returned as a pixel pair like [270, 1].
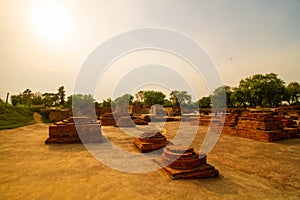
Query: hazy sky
[45, 43]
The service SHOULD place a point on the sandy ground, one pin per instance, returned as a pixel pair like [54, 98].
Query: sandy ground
[249, 169]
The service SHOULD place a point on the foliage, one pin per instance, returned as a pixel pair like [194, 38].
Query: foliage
[180, 98]
[254, 91]
[152, 97]
[27, 97]
[80, 101]
[292, 93]
[15, 100]
[221, 97]
[50, 99]
[126, 99]
[191, 105]
[167, 103]
[24, 98]
[205, 102]
[13, 117]
[61, 95]
[262, 90]
[237, 98]
[2, 103]
[37, 99]
[139, 96]
[105, 103]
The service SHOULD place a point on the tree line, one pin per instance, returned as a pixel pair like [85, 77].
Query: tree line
[149, 97]
[28, 98]
[254, 91]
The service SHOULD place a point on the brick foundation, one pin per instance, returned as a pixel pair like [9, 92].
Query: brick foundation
[150, 141]
[182, 163]
[66, 131]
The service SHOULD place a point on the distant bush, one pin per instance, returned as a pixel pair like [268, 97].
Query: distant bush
[45, 115]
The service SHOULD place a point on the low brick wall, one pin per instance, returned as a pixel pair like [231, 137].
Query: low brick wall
[66, 131]
[261, 126]
[69, 134]
[57, 115]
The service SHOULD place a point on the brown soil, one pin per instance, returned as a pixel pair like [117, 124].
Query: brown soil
[249, 169]
[37, 117]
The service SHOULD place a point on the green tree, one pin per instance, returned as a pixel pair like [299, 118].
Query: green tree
[15, 100]
[50, 99]
[237, 98]
[274, 90]
[80, 101]
[180, 98]
[27, 97]
[106, 103]
[221, 97]
[293, 93]
[37, 99]
[152, 97]
[167, 103]
[68, 103]
[205, 102]
[61, 95]
[125, 99]
[262, 90]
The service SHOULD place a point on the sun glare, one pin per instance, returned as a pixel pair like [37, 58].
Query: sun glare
[51, 21]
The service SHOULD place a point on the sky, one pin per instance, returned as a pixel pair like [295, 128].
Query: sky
[45, 44]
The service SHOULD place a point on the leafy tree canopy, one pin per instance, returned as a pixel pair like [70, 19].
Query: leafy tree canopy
[205, 102]
[80, 100]
[180, 98]
[126, 99]
[152, 97]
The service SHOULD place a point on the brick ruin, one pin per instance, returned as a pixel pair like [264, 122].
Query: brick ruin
[150, 141]
[107, 119]
[266, 126]
[184, 163]
[125, 121]
[139, 121]
[121, 120]
[65, 131]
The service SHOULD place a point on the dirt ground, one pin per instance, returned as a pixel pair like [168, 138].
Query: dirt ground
[249, 169]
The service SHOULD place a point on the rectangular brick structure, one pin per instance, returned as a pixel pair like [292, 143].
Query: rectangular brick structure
[66, 132]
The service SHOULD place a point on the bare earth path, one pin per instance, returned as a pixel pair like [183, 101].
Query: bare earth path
[29, 169]
[37, 117]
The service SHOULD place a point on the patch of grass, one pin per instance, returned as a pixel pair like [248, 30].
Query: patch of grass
[13, 117]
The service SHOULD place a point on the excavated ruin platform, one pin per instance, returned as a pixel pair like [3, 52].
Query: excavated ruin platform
[107, 120]
[125, 121]
[66, 132]
[265, 127]
[150, 141]
[184, 163]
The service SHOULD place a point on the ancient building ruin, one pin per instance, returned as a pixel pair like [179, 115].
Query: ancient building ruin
[184, 163]
[150, 141]
[65, 131]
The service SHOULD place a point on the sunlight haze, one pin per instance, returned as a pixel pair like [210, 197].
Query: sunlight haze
[45, 43]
